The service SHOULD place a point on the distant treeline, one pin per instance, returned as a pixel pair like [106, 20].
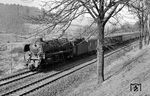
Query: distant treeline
[12, 17]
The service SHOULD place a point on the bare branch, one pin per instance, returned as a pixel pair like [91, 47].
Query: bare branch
[88, 9]
[110, 14]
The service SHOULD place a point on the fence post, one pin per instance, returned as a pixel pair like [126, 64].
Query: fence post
[11, 58]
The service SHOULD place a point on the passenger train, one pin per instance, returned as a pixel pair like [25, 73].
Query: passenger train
[40, 52]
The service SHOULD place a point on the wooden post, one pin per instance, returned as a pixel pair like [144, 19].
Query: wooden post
[11, 61]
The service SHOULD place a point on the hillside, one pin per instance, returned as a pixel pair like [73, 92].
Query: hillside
[12, 17]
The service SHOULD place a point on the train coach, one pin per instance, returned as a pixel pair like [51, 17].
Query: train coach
[40, 52]
[112, 39]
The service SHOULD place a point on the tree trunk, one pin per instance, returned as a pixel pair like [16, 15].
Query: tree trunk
[141, 31]
[145, 18]
[145, 33]
[140, 39]
[148, 29]
[100, 53]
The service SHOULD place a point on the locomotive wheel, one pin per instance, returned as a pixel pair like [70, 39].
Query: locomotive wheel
[32, 68]
[40, 66]
[36, 65]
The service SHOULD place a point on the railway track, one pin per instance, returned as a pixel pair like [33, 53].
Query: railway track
[13, 76]
[46, 79]
[16, 77]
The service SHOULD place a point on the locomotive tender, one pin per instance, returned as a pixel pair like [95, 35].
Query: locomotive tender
[39, 52]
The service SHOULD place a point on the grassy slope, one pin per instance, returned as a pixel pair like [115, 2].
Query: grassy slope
[119, 84]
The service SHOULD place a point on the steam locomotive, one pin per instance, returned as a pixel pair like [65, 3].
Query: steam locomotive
[39, 52]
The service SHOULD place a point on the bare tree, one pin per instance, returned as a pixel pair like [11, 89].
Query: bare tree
[62, 12]
[138, 8]
[147, 5]
[148, 28]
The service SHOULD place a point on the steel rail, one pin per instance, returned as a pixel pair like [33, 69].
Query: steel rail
[16, 78]
[14, 75]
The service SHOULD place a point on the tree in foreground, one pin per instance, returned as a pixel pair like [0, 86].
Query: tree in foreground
[62, 12]
[147, 6]
[138, 8]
